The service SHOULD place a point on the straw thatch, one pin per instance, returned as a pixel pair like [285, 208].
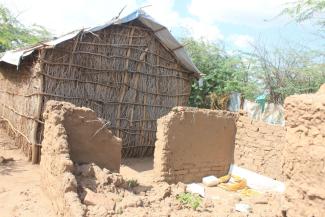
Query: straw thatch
[19, 107]
[124, 73]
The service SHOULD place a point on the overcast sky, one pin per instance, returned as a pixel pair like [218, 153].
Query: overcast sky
[235, 22]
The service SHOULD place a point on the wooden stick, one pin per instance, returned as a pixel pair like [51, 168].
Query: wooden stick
[35, 153]
[16, 130]
[123, 57]
[123, 35]
[17, 94]
[134, 121]
[138, 146]
[132, 47]
[126, 77]
[22, 115]
[90, 99]
[36, 150]
[149, 130]
[111, 86]
[101, 128]
[112, 70]
[139, 68]
[80, 81]
[112, 45]
[136, 27]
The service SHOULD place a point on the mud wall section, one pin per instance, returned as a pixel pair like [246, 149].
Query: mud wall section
[60, 149]
[305, 154]
[259, 146]
[193, 143]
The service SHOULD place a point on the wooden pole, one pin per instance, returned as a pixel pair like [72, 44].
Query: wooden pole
[125, 80]
[36, 148]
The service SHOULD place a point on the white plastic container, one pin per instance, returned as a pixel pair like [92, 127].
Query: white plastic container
[242, 207]
[256, 181]
[210, 181]
[195, 189]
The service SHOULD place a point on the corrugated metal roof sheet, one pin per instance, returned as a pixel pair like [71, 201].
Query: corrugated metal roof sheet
[15, 57]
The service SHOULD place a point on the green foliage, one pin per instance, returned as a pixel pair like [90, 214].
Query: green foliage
[192, 200]
[14, 34]
[278, 72]
[132, 183]
[223, 73]
[303, 10]
[286, 71]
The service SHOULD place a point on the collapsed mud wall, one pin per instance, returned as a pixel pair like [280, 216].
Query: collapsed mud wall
[193, 143]
[259, 146]
[90, 141]
[61, 149]
[305, 154]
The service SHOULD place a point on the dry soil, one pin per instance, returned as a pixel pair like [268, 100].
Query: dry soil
[20, 191]
[21, 194]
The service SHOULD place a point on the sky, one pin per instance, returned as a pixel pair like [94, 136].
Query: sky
[234, 23]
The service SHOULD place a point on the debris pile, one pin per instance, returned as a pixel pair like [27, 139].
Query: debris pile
[68, 139]
[109, 194]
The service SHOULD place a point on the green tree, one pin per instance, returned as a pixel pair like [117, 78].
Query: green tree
[290, 71]
[286, 71]
[223, 73]
[303, 10]
[14, 34]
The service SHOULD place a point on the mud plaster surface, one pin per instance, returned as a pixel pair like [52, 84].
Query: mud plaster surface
[57, 168]
[194, 143]
[90, 141]
[259, 146]
[305, 154]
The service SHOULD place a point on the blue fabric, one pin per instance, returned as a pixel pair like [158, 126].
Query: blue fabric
[261, 100]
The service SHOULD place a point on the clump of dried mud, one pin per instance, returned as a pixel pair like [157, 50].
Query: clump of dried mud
[109, 194]
[305, 154]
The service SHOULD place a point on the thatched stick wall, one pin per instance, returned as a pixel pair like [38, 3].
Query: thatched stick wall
[123, 73]
[19, 105]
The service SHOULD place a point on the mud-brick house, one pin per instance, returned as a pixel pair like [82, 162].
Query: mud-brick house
[130, 71]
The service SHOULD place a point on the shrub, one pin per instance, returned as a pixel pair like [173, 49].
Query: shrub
[192, 200]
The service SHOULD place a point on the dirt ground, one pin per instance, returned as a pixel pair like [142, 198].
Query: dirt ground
[139, 169]
[20, 191]
[217, 202]
[21, 194]
[142, 170]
